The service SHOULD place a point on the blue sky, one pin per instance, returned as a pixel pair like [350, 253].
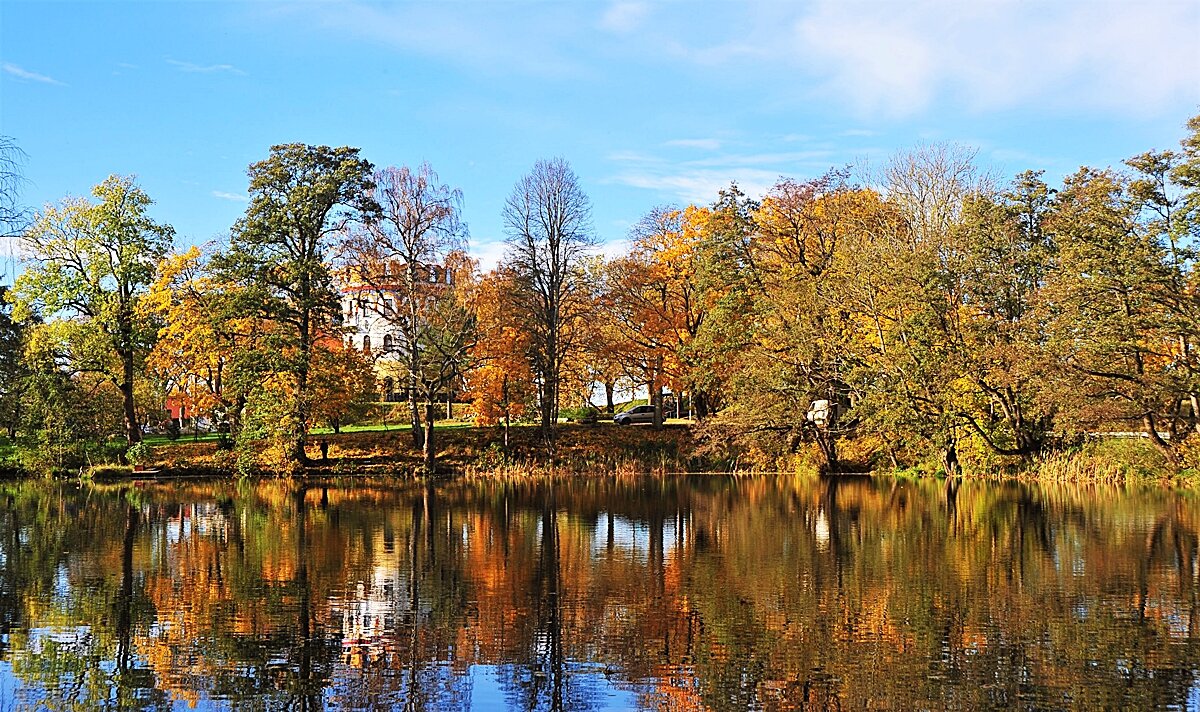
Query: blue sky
[652, 103]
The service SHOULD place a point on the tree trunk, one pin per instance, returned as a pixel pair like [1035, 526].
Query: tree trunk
[504, 402]
[950, 460]
[414, 412]
[1161, 445]
[1195, 412]
[609, 387]
[547, 410]
[133, 429]
[657, 393]
[429, 449]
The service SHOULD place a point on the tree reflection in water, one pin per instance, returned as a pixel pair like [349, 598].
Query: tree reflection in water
[685, 593]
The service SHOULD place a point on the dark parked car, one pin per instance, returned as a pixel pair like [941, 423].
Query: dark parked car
[640, 414]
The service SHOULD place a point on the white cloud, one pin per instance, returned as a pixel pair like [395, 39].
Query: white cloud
[899, 58]
[700, 180]
[624, 17]
[488, 252]
[20, 73]
[230, 196]
[704, 144]
[205, 68]
[699, 185]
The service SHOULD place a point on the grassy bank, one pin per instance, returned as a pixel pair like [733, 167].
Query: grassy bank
[604, 448]
[463, 449]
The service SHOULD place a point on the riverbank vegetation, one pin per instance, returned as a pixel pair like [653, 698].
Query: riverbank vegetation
[925, 316]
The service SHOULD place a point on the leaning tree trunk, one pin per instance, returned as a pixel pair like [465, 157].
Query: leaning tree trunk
[1163, 447]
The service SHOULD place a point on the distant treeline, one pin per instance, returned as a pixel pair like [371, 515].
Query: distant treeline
[926, 314]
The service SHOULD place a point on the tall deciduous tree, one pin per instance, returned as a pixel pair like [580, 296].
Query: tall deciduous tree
[13, 215]
[300, 197]
[401, 261]
[548, 219]
[90, 263]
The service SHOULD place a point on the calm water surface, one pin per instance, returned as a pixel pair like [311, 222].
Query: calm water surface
[685, 594]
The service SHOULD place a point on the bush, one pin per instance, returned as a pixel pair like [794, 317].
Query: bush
[586, 414]
[139, 453]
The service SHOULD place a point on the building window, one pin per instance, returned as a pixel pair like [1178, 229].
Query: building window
[387, 341]
[367, 344]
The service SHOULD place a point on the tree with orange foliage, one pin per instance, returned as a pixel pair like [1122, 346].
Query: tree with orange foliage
[657, 302]
[343, 383]
[501, 383]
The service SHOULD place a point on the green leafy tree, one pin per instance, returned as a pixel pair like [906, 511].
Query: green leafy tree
[726, 278]
[13, 368]
[300, 197]
[89, 265]
[1110, 324]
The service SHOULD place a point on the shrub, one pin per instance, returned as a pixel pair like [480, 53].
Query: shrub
[139, 453]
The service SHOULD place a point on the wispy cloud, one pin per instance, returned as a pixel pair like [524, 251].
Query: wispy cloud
[885, 59]
[205, 68]
[623, 17]
[704, 144]
[230, 196]
[21, 73]
[699, 185]
[491, 37]
[900, 58]
[700, 179]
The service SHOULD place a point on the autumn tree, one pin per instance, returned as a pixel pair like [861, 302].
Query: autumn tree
[548, 219]
[796, 375]
[399, 262]
[300, 197]
[657, 305]
[603, 359]
[1118, 318]
[500, 381]
[343, 384]
[725, 275]
[206, 354]
[89, 264]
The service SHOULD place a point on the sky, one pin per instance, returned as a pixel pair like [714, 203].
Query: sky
[652, 103]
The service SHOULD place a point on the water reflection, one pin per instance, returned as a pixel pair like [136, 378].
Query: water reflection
[686, 593]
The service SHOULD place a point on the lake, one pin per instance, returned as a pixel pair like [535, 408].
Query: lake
[677, 593]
